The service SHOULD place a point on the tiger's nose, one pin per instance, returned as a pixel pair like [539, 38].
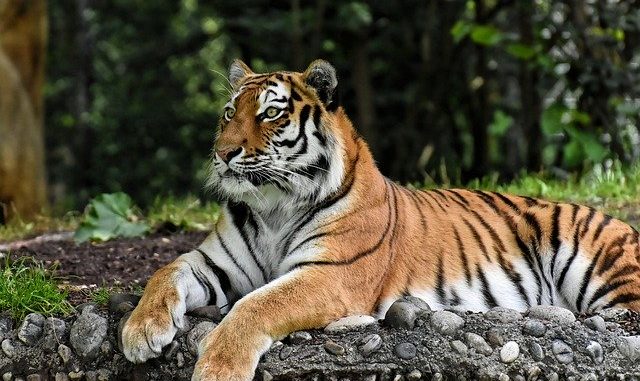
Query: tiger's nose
[228, 153]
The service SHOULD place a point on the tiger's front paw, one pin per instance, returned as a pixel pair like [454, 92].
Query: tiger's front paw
[145, 333]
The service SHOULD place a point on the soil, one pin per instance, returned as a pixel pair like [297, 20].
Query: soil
[124, 263]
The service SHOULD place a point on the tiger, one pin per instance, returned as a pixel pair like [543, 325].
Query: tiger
[310, 231]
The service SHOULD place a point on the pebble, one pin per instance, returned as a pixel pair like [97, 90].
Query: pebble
[299, 337]
[76, 375]
[414, 375]
[418, 302]
[266, 376]
[446, 322]
[31, 328]
[8, 348]
[106, 347]
[629, 346]
[503, 377]
[180, 360]
[613, 313]
[285, 352]
[54, 332]
[65, 353]
[34, 377]
[370, 344]
[509, 352]
[207, 312]
[562, 351]
[478, 343]
[596, 323]
[595, 351]
[61, 377]
[589, 377]
[349, 323]
[534, 327]
[533, 373]
[123, 308]
[503, 315]
[197, 334]
[405, 351]
[402, 314]
[116, 299]
[437, 377]
[6, 325]
[558, 315]
[536, 350]
[494, 337]
[553, 377]
[7, 376]
[171, 350]
[88, 307]
[333, 347]
[459, 347]
[87, 334]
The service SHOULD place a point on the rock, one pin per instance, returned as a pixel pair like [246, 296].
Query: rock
[503, 315]
[54, 333]
[418, 302]
[405, 351]
[207, 312]
[6, 325]
[402, 314]
[333, 347]
[533, 373]
[553, 377]
[8, 348]
[65, 353]
[437, 377]
[613, 313]
[562, 351]
[596, 323]
[197, 334]
[589, 377]
[534, 327]
[266, 376]
[299, 337]
[370, 344]
[88, 307]
[446, 322]
[285, 352]
[555, 314]
[478, 343]
[414, 375]
[536, 350]
[7, 376]
[349, 323]
[509, 352]
[180, 360]
[629, 346]
[123, 308]
[76, 375]
[503, 377]
[459, 347]
[595, 352]
[34, 377]
[494, 337]
[61, 377]
[171, 350]
[31, 328]
[106, 347]
[87, 334]
[115, 300]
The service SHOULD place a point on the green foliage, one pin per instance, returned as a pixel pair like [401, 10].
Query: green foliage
[27, 287]
[185, 213]
[486, 35]
[108, 216]
[100, 296]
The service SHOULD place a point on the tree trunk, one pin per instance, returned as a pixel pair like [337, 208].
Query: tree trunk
[23, 37]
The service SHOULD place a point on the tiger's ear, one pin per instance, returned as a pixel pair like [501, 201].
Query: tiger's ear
[237, 71]
[322, 77]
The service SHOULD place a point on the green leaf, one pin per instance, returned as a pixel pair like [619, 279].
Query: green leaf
[109, 216]
[486, 35]
[500, 124]
[522, 51]
[591, 146]
[554, 119]
[460, 30]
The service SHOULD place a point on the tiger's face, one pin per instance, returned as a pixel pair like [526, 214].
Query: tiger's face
[276, 140]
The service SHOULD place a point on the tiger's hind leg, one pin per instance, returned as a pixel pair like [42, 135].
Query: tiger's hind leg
[597, 265]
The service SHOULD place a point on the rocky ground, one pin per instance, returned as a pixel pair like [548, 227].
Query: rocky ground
[411, 343]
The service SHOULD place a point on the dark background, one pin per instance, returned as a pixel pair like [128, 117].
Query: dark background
[444, 91]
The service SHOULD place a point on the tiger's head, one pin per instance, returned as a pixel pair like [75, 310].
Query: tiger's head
[279, 139]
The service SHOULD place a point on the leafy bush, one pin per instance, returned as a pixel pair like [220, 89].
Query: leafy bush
[109, 216]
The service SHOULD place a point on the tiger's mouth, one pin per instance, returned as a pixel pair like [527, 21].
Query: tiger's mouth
[252, 177]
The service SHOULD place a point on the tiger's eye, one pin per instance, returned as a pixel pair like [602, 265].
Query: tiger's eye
[229, 113]
[271, 112]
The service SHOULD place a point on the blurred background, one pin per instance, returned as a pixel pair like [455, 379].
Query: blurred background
[124, 95]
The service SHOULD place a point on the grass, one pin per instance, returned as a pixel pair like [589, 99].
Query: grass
[26, 287]
[100, 296]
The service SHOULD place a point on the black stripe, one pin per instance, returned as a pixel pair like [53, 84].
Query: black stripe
[223, 278]
[605, 221]
[240, 215]
[554, 239]
[515, 278]
[320, 137]
[416, 204]
[610, 260]
[528, 256]
[574, 253]
[623, 298]
[295, 95]
[587, 223]
[458, 196]
[624, 270]
[463, 256]
[533, 222]
[440, 282]
[489, 300]
[229, 254]
[205, 284]
[478, 239]
[488, 200]
[304, 116]
[606, 288]
[432, 197]
[508, 202]
[574, 213]
[491, 230]
[586, 279]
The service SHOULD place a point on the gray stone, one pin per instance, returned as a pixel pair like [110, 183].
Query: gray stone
[402, 314]
[533, 373]
[115, 300]
[589, 377]
[123, 308]
[562, 351]
[171, 350]
[65, 353]
[437, 377]
[478, 343]
[414, 375]
[536, 350]
[180, 360]
[553, 377]
[629, 346]
[534, 327]
[405, 351]
[503, 315]
[197, 334]
[494, 337]
[596, 323]
[106, 347]
[349, 323]
[503, 377]
[285, 352]
[61, 377]
[519, 377]
[333, 347]
[8, 348]
[558, 315]
[87, 307]
[613, 313]
[76, 374]
[104, 374]
[31, 328]
[299, 337]
[7, 376]
[509, 352]
[6, 325]
[595, 352]
[266, 376]
[459, 347]
[207, 312]
[87, 334]
[446, 322]
[54, 333]
[418, 302]
[370, 344]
